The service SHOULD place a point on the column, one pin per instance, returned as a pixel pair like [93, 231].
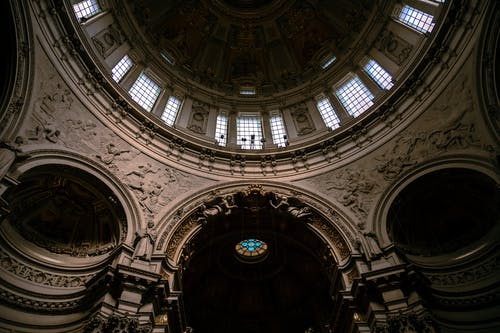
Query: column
[369, 83]
[341, 112]
[266, 130]
[232, 130]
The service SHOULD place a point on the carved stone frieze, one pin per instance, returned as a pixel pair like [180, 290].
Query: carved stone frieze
[467, 276]
[353, 188]
[36, 304]
[410, 148]
[410, 322]
[116, 324]
[179, 234]
[39, 277]
[154, 185]
[333, 235]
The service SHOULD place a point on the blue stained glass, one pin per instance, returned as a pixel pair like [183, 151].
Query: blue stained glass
[251, 248]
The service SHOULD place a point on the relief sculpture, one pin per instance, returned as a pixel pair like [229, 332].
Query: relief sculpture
[353, 188]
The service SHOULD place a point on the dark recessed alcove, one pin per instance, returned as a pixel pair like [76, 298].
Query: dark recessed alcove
[443, 211]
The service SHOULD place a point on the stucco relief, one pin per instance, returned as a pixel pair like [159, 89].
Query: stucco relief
[448, 128]
[108, 40]
[59, 118]
[154, 184]
[353, 188]
[40, 277]
[198, 118]
[467, 276]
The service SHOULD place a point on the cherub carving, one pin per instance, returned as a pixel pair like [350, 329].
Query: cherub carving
[224, 208]
[282, 202]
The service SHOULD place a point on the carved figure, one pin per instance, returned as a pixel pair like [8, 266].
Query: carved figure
[111, 152]
[145, 239]
[459, 135]
[47, 131]
[7, 158]
[224, 208]
[8, 155]
[353, 187]
[372, 242]
[143, 170]
[149, 199]
[297, 212]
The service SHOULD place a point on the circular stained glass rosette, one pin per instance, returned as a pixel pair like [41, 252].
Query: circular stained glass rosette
[251, 249]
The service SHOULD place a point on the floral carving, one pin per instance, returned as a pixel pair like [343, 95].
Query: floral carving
[470, 275]
[334, 236]
[39, 277]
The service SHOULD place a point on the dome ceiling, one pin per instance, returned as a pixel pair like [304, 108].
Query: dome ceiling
[227, 65]
[272, 45]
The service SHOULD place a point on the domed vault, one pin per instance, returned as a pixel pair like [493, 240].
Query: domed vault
[244, 166]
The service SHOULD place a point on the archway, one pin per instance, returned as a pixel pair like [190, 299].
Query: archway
[257, 264]
[67, 211]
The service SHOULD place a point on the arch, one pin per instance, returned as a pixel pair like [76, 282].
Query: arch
[177, 228]
[201, 237]
[117, 195]
[381, 212]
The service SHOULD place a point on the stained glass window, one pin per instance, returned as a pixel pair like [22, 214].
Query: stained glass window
[251, 248]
